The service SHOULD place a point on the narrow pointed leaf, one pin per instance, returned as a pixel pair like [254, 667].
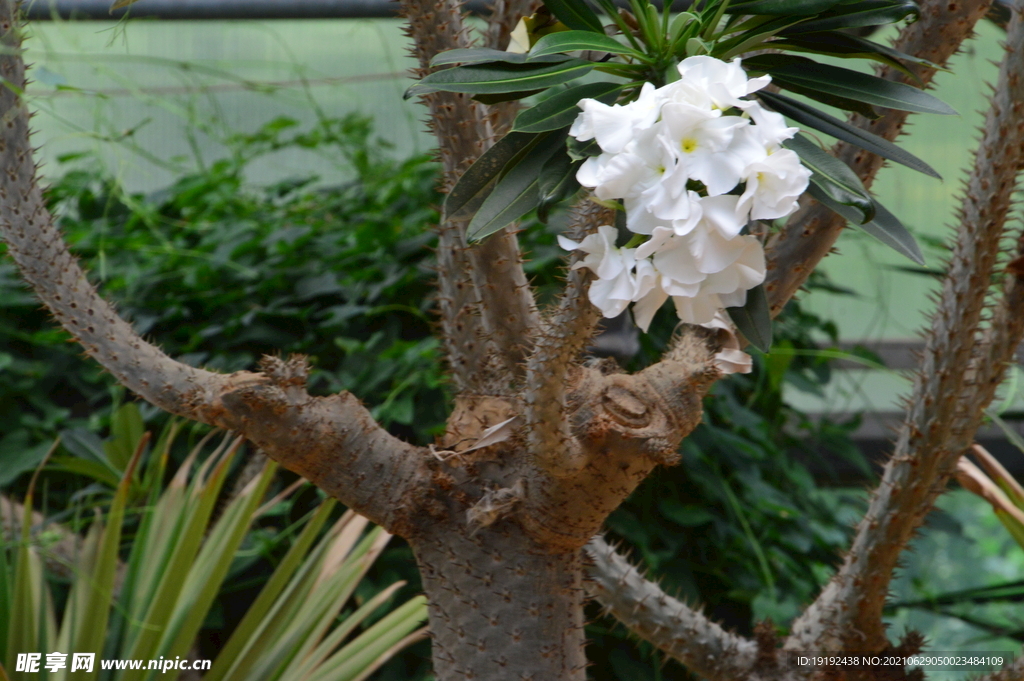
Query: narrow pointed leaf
[329, 645]
[479, 55]
[579, 151]
[575, 14]
[789, 70]
[102, 578]
[857, 14]
[783, 7]
[348, 662]
[754, 319]
[561, 109]
[885, 226]
[517, 191]
[744, 42]
[269, 593]
[477, 182]
[167, 591]
[211, 566]
[557, 180]
[499, 77]
[834, 178]
[830, 125]
[571, 41]
[500, 97]
[849, 46]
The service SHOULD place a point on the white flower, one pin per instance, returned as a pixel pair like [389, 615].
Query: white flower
[707, 150]
[724, 82]
[678, 158]
[616, 125]
[702, 272]
[615, 286]
[771, 128]
[774, 185]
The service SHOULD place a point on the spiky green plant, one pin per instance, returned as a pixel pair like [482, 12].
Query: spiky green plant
[154, 604]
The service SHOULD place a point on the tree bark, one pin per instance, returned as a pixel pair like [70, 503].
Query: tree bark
[502, 607]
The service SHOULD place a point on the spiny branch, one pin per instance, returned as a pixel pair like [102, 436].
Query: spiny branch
[946, 407]
[486, 304]
[669, 624]
[344, 446]
[455, 120]
[810, 233]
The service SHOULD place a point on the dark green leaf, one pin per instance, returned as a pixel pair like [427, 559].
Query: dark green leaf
[849, 46]
[570, 41]
[885, 226]
[575, 14]
[516, 192]
[18, 456]
[560, 110]
[830, 125]
[783, 7]
[479, 55]
[857, 14]
[798, 72]
[744, 42]
[754, 319]
[834, 177]
[476, 183]
[498, 77]
[557, 180]
[579, 151]
[505, 96]
[682, 514]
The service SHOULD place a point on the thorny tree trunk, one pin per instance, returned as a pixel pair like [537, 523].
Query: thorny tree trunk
[501, 532]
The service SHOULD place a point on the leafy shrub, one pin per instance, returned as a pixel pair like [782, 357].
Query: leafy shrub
[181, 550]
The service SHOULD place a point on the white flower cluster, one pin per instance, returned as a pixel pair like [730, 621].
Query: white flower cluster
[678, 157]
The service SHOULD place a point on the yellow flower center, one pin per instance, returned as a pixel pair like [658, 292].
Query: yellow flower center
[689, 144]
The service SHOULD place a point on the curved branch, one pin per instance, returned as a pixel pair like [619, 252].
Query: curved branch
[338, 442]
[563, 336]
[945, 409]
[809, 235]
[669, 624]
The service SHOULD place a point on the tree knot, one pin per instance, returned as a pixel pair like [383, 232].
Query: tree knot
[290, 373]
[495, 504]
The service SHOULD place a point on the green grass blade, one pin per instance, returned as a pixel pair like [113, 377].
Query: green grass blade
[249, 625]
[152, 627]
[340, 633]
[212, 565]
[350, 662]
[95, 616]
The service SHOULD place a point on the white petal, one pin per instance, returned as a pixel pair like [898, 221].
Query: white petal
[732, 361]
[659, 236]
[645, 308]
[712, 252]
[696, 310]
[720, 213]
